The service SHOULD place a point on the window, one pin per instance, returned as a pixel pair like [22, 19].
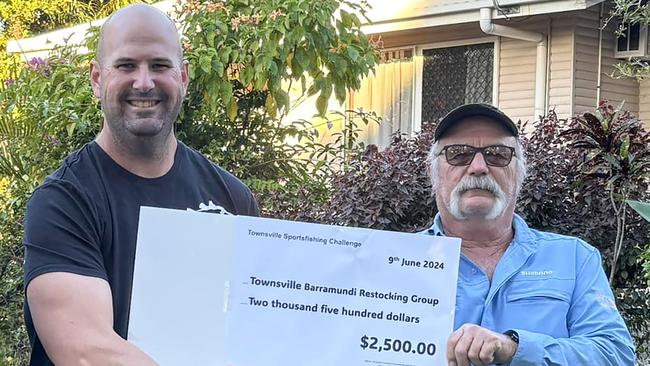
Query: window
[389, 93]
[629, 40]
[632, 42]
[454, 76]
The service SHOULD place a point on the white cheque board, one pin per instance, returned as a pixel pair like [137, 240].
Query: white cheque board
[230, 290]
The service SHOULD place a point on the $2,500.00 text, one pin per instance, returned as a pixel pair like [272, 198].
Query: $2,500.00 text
[398, 345]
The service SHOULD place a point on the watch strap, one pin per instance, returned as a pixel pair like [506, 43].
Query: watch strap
[512, 335]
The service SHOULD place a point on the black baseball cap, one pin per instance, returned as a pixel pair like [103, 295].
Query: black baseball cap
[471, 110]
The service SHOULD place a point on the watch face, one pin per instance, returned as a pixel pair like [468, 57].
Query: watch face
[513, 335]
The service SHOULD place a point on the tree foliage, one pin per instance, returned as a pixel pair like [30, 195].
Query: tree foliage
[243, 46]
[24, 18]
[245, 58]
[626, 12]
[45, 113]
[387, 190]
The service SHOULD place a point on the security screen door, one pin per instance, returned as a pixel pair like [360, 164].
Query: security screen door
[454, 76]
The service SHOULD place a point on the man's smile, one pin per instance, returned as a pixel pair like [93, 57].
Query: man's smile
[139, 103]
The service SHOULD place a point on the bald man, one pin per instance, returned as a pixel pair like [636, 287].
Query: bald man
[81, 223]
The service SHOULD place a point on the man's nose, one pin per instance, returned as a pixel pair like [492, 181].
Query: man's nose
[478, 166]
[143, 80]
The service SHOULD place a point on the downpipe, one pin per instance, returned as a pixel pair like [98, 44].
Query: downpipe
[488, 27]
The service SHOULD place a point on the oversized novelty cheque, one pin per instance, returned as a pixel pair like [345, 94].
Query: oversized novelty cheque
[232, 290]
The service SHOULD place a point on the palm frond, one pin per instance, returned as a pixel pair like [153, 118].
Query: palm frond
[11, 163]
[12, 127]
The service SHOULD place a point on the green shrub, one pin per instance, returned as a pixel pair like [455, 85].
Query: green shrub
[581, 172]
[46, 112]
[388, 190]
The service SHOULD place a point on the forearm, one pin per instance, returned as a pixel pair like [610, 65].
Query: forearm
[97, 351]
[73, 318]
[537, 349]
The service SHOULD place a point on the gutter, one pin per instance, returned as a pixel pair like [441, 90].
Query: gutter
[542, 53]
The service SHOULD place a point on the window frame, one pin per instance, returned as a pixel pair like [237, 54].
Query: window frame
[419, 69]
[642, 51]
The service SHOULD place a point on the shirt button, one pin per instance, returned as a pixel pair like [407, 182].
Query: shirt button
[474, 271]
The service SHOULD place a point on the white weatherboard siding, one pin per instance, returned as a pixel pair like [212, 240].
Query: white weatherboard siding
[586, 67]
[517, 78]
[517, 66]
[560, 81]
[644, 102]
[514, 75]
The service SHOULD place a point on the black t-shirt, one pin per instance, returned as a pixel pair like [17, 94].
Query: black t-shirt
[84, 219]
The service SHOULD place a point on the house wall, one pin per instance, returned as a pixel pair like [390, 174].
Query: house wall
[516, 64]
[517, 71]
[586, 62]
[572, 67]
[561, 64]
[644, 102]
[573, 63]
[517, 78]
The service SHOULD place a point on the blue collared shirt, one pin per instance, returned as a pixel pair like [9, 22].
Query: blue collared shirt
[552, 290]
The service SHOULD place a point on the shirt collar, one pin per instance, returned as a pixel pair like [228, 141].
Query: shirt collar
[522, 232]
[436, 228]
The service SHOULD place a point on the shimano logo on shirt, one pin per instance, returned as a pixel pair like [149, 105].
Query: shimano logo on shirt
[536, 273]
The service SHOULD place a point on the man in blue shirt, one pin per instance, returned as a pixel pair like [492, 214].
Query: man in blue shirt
[524, 297]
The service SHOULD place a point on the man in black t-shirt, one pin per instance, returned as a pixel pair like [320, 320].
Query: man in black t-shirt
[81, 224]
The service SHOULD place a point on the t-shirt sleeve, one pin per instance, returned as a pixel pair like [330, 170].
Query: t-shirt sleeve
[253, 209]
[243, 199]
[61, 233]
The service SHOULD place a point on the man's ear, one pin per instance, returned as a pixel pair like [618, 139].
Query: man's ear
[95, 77]
[185, 75]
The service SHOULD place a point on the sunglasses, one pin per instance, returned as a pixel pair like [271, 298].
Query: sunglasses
[494, 155]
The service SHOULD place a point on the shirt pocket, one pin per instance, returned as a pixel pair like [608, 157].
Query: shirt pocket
[539, 306]
[538, 295]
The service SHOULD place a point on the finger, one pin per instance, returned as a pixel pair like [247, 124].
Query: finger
[451, 345]
[488, 352]
[462, 347]
[473, 354]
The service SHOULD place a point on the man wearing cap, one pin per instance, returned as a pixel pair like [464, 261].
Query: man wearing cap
[524, 297]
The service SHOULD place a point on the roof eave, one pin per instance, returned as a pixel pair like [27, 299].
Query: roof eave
[457, 15]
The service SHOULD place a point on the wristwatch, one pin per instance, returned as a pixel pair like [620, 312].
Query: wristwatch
[515, 338]
[512, 335]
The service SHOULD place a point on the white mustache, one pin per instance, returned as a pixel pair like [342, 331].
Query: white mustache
[483, 182]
